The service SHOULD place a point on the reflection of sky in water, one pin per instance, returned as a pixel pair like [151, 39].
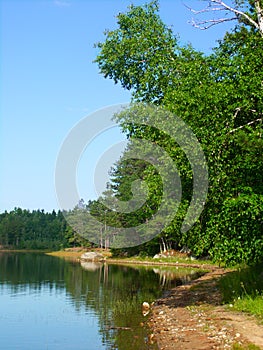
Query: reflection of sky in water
[48, 303]
[45, 318]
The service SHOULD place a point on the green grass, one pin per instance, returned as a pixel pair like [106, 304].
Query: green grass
[251, 305]
[245, 347]
[243, 290]
[172, 259]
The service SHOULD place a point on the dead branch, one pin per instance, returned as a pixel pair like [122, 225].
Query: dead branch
[203, 25]
[243, 126]
[206, 9]
[219, 5]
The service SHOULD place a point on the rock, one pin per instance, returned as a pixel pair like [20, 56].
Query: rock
[159, 256]
[92, 256]
[156, 256]
[145, 305]
[145, 308]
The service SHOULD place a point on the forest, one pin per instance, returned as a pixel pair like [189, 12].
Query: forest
[37, 229]
[220, 97]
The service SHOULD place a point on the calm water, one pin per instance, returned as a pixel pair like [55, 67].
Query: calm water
[49, 303]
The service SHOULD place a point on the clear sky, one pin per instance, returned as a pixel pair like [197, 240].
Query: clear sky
[49, 83]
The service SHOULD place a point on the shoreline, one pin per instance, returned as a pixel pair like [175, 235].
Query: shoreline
[189, 316]
[161, 263]
[75, 255]
[192, 316]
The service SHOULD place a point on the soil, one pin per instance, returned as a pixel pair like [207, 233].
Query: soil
[192, 317]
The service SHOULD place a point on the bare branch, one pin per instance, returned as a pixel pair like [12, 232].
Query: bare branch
[243, 126]
[238, 13]
[238, 109]
[210, 23]
[220, 5]
[207, 9]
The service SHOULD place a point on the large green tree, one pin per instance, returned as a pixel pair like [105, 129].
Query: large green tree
[139, 53]
[220, 97]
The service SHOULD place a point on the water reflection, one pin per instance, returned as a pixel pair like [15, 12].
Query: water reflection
[172, 277]
[62, 304]
[91, 266]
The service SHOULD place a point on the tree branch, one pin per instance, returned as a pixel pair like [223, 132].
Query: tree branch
[220, 5]
[242, 126]
[237, 12]
[210, 23]
[249, 123]
[206, 9]
[259, 11]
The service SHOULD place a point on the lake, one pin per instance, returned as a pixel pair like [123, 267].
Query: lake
[50, 303]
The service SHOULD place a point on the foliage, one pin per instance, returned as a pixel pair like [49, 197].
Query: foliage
[22, 229]
[220, 97]
[137, 52]
[237, 230]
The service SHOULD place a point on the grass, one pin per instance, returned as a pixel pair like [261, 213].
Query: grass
[242, 290]
[177, 259]
[245, 347]
[251, 305]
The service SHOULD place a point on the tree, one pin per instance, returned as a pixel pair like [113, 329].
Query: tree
[138, 53]
[33, 230]
[220, 97]
[247, 12]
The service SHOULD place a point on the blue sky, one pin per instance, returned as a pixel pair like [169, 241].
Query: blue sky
[49, 83]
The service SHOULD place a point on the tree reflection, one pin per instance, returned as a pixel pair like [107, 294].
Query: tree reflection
[111, 292]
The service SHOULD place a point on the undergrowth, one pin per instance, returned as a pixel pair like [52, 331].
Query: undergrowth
[242, 290]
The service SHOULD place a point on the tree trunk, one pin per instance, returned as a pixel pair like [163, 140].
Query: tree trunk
[259, 11]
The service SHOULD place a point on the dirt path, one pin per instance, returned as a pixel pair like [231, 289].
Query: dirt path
[192, 317]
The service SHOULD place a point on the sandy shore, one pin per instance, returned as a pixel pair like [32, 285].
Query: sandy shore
[72, 255]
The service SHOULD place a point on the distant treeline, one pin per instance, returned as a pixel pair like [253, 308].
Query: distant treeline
[37, 229]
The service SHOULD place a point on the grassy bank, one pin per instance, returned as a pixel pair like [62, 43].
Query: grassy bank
[242, 290]
[176, 262]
